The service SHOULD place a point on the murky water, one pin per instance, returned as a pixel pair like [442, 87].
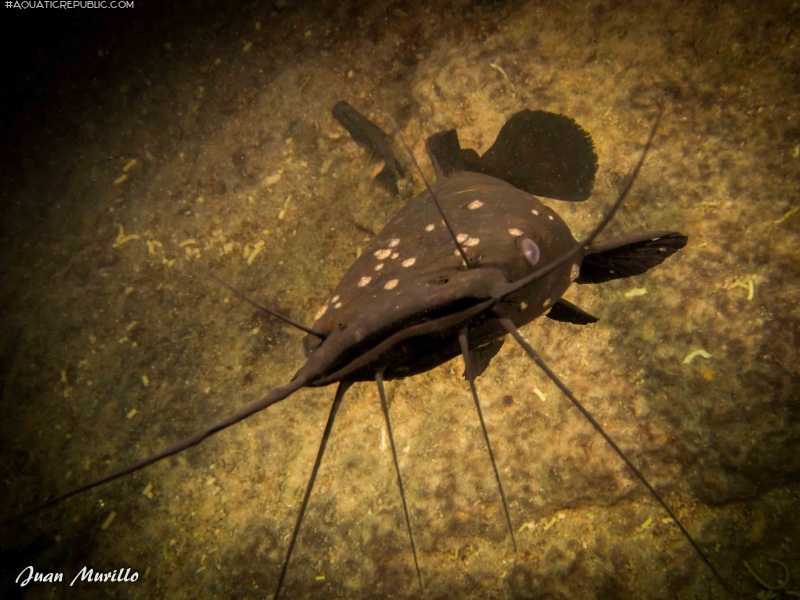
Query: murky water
[215, 138]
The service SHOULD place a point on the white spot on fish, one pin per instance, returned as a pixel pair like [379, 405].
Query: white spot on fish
[475, 205]
[335, 298]
[379, 266]
[462, 237]
[430, 227]
[321, 312]
[535, 212]
[472, 242]
[337, 305]
[550, 217]
[364, 281]
[391, 284]
[514, 231]
[408, 262]
[395, 255]
[381, 254]
[547, 302]
[393, 242]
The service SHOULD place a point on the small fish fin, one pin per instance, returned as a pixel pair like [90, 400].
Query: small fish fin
[567, 312]
[387, 179]
[445, 152]
[544, 154]
[483, 355]
[629, 255]
[365, 133]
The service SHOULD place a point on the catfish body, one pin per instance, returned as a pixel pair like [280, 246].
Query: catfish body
[411, 272]
[399, 308]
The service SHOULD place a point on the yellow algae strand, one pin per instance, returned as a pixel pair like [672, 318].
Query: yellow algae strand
[694, 354]
[122, 238]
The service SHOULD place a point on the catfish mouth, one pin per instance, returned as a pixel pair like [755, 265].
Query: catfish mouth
[411, 345]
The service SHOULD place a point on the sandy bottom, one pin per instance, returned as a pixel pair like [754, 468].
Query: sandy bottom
[114, 346]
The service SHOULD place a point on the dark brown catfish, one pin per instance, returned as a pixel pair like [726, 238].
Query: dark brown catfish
[470, 259]
[412, 272]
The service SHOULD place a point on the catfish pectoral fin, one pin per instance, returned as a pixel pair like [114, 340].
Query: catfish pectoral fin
[629, 255]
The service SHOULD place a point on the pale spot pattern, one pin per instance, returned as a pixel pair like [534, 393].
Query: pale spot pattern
[475, 205]
[550, 217]
[381, 254]
[337, 305]
[379, 266]
[395, 255]
[515, 231]
[472, 241]
[462, 237]
[391, 284]
[393, 242]
[408, 262]
[535, 212]
[364, 281]
[335, 299]
[430, 227]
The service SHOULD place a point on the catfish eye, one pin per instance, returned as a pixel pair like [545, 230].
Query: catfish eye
[529, 249]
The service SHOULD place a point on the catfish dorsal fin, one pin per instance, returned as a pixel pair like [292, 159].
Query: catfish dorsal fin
[444, 150]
